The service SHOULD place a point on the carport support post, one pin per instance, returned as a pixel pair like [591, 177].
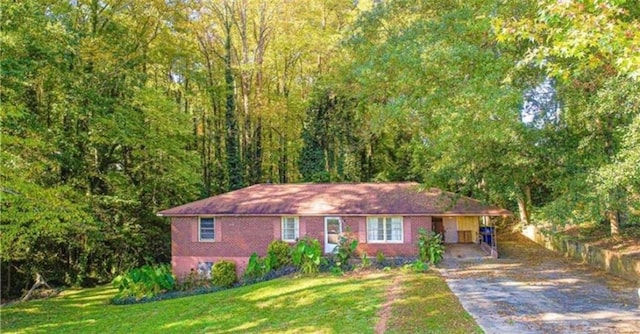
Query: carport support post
[490, 248]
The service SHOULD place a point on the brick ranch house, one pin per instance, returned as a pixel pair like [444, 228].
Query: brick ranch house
[383, 217]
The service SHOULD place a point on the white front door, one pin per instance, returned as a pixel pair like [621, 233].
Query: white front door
[332, 231]
[450, 230]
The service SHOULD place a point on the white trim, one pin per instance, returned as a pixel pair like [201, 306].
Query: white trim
[200, 229]
[326, 232]
[385, 230]
[296, 222]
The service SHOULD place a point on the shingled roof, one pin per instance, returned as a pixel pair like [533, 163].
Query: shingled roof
[356, 199]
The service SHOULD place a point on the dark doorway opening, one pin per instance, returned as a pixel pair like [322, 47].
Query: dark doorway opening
[437, 226]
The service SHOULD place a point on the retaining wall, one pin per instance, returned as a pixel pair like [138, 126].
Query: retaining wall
[622, 265]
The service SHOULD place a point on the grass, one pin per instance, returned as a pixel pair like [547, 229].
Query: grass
[323, 304]
[429, 306]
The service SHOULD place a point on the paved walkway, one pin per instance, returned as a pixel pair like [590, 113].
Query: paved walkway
[533, 290]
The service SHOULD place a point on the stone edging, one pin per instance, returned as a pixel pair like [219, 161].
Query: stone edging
[621, 265]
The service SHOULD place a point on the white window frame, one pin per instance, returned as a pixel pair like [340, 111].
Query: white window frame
[200, 239]
[296, 226]
[373, 219]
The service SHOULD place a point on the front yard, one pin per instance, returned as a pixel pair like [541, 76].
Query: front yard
[383, 301]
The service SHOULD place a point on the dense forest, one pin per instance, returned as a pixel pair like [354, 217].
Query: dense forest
[114, 109]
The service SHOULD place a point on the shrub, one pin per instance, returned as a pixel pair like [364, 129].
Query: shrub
[223, 273]
[280, 254]
[380, 257]
[193, 281]
[307, 255]
[365, 262]
[258, 267]
[344, 251]
[146, 281]
[418, 266]
[430, 247]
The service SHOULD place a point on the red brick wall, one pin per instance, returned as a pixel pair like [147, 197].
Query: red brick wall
[237, 237]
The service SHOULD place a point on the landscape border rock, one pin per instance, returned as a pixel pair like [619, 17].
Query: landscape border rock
[621, 265]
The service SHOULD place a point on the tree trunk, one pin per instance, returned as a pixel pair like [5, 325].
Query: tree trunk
[234, 163]
[39, 282]
[524, 212]
[614, 221]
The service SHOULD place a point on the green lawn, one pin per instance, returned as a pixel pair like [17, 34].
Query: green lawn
[325, 304]
[429, 306]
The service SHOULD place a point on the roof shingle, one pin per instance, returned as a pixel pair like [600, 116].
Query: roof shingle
[306, 199]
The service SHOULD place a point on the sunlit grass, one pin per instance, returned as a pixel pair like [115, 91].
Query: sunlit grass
[427, 305]
[306, 304]
[322, 304]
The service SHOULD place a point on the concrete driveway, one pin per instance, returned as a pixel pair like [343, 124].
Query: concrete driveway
[533, 290]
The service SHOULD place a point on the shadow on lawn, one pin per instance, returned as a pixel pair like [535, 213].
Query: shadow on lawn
[345, 305]
[326, 303]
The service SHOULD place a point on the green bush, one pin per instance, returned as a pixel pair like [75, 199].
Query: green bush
[430, 247]
[146, 281]
[365, 262]
[191, 281]
[380, 257]
[307, 255]
[280, 254]
[258, 267]
[223, 273]
[344, 251]
[418, 266]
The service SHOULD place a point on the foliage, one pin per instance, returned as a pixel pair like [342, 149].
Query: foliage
[344, 251]
[193, 281]
[280, 253]
[430, 247]
[195, 284]
[146, 281]
[307, 255]
[258, 267]
[328, 139]
[418, 266]
[223, 273]
[380, 258]
[111, 113]
[573, 37]
[272, 274]
[278, 257]
[586, 48]
[365, 261]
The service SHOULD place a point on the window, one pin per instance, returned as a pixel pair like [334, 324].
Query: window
[290, 228]
[384, 229]
[206, 229]
[204, 269]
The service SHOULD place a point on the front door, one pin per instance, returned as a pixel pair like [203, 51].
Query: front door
[332, 230]
[450, 230]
